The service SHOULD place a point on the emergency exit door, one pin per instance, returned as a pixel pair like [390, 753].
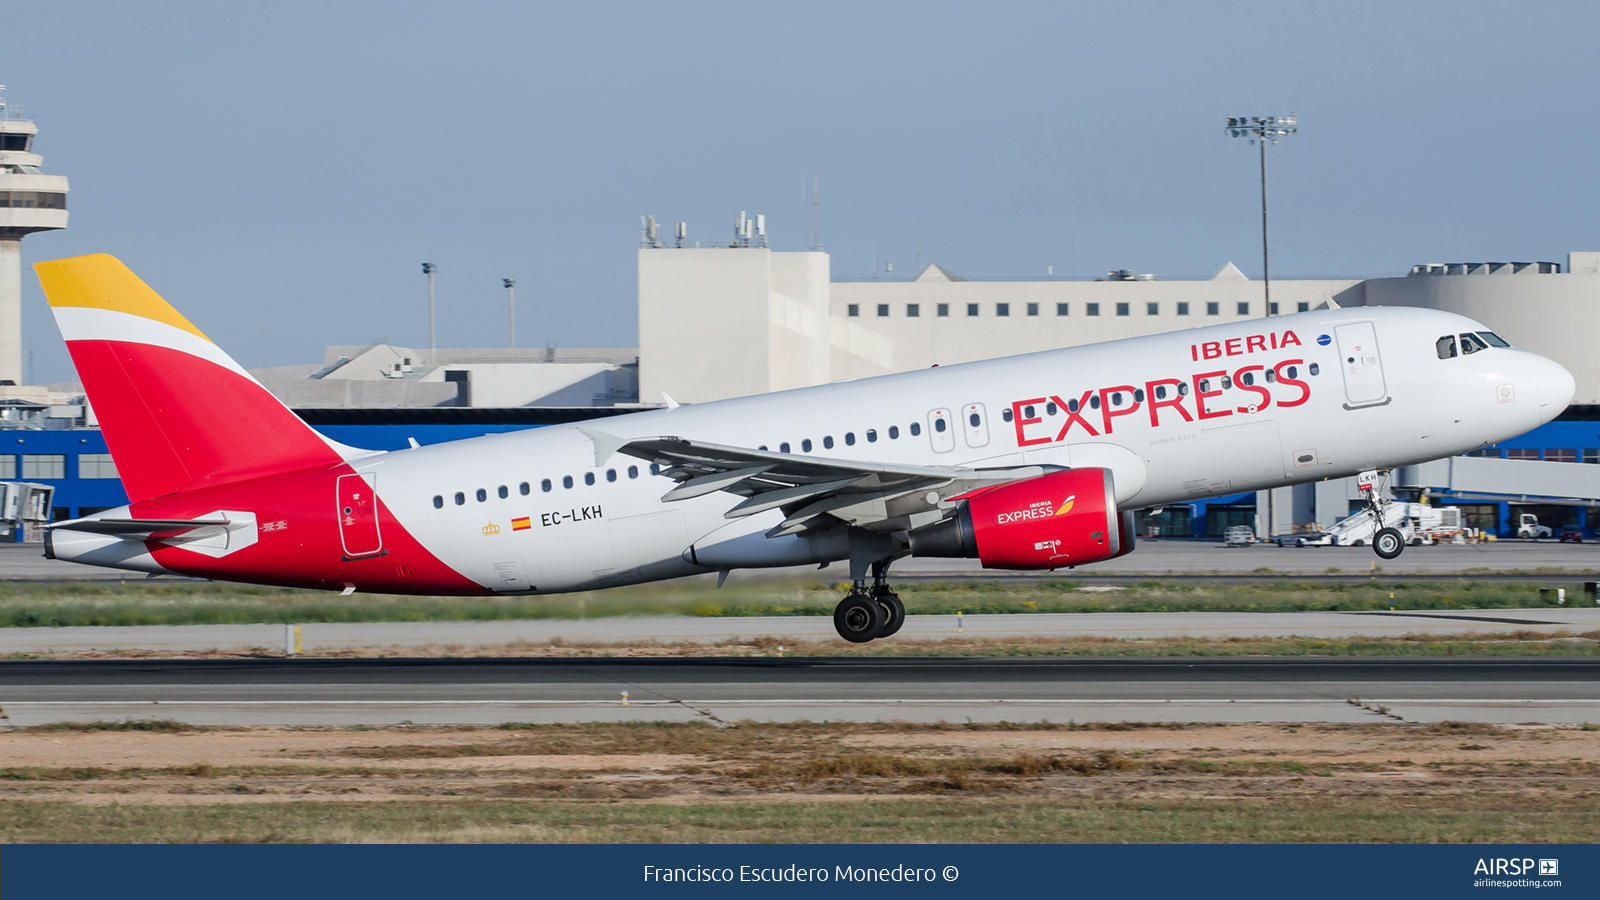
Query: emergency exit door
[358, 516]
[1362, 367]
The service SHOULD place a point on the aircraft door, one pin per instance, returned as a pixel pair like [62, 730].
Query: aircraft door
[358, 516]
[975, 424]
[1363, 368]
[941, 431]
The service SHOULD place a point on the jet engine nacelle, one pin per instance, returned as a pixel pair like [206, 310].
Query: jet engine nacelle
[1061, 519]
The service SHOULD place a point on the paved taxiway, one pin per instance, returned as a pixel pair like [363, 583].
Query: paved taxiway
[437, 691]
[331, 636]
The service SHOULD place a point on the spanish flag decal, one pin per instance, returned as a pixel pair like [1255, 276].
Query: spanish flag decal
[520, 524]
[1067, 506]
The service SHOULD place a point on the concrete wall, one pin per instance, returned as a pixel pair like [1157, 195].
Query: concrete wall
[726, 322]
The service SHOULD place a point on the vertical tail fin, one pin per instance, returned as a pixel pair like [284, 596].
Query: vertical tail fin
[177, 412]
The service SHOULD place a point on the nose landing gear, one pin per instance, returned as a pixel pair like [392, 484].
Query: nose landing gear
[1387, 541]
[868, 614]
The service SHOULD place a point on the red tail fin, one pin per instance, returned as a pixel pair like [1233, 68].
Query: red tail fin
[177, 412]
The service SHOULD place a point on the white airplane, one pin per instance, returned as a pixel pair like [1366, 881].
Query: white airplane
[1025, 462]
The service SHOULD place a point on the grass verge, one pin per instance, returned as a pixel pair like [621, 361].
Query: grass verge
[987, 820]
[46, 604]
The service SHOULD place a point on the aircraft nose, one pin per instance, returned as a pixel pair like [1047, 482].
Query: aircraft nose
[1554, 387]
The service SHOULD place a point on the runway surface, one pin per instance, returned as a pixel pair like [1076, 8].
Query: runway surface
[325, 637]
[441, 691]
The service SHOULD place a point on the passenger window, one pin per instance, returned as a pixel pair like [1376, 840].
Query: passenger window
[482, 495]
[827, 442]
[1205, 385]
[1313, 368]
[545, 485]
[872, 436]
[805, 446]
[1494, 340]
[975, 419]
[1271, 376]
[1094, 401]
[460, 498]
[849, 438]
[524, 489]
[1226, 382]
[1027, 412]
[633, 471]
[588, 478]
[894, 432]
[782, 448]
[504, 492]
[1446, 347]
[611, 474]
[938, 425]
[1072, 405]
[1116, 398]
[1005, 414]
[438, 502]
[1183, 389]
[566, 481]
[1138, 395]
[1471, 343]
[655, 468]
[1161, 392]
[916, 428]
[1050, 408]
[1247, 378]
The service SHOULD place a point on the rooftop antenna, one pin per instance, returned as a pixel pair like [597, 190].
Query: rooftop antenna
[816, 245]
[650, 239]
[738, 229]
[761, 230]
[433, 350]
[683, 232]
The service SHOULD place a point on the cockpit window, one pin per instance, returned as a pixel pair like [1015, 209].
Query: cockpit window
[1471, 343]
[1494, 340]
[1446, 346]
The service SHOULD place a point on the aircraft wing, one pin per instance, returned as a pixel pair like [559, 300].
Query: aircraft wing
[813, 492]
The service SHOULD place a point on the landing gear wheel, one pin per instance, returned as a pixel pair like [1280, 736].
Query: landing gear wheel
[894, 611]
[858, 618]
[1388, 543]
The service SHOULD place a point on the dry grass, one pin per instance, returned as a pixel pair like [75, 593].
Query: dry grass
[805, 781]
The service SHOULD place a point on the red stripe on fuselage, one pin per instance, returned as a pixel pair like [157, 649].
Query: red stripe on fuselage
[173, 420]
[302, 546]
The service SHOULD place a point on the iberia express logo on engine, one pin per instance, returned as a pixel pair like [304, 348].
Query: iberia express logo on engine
[1044, 509]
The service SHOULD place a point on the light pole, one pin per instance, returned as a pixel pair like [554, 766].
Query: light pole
[511, 302]
[1261, 130]
[427, 269]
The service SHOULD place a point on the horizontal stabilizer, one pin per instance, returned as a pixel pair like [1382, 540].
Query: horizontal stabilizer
[135, 528]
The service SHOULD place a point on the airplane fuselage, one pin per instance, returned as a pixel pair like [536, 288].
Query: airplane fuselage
[1176, 417]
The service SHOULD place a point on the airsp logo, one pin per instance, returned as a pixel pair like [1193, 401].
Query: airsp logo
[1502, 866]
[1549, 867]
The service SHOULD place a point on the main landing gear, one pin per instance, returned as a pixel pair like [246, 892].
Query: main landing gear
[867, 614]
[1387, 541]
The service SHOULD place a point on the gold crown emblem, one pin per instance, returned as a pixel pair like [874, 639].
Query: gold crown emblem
[491, 528]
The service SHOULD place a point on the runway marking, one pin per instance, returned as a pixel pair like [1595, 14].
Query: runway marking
[790, 701]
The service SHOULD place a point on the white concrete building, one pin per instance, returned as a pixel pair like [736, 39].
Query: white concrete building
[30, 201]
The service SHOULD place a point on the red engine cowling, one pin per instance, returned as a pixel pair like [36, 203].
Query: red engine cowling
[1062, 519]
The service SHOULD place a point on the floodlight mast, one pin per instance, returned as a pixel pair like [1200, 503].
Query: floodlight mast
[511, 303]
[433, 352]
[1261, 130]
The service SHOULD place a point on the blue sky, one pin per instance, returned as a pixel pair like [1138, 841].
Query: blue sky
[278, 171]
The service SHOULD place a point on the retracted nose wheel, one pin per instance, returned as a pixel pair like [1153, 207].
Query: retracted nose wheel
[859, 617]
[1388, 543]
[894, 611]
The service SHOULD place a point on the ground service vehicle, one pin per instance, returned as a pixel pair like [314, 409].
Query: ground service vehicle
[1026, 462]
[1528, 527]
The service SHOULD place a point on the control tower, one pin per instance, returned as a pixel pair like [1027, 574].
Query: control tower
[29, 201]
